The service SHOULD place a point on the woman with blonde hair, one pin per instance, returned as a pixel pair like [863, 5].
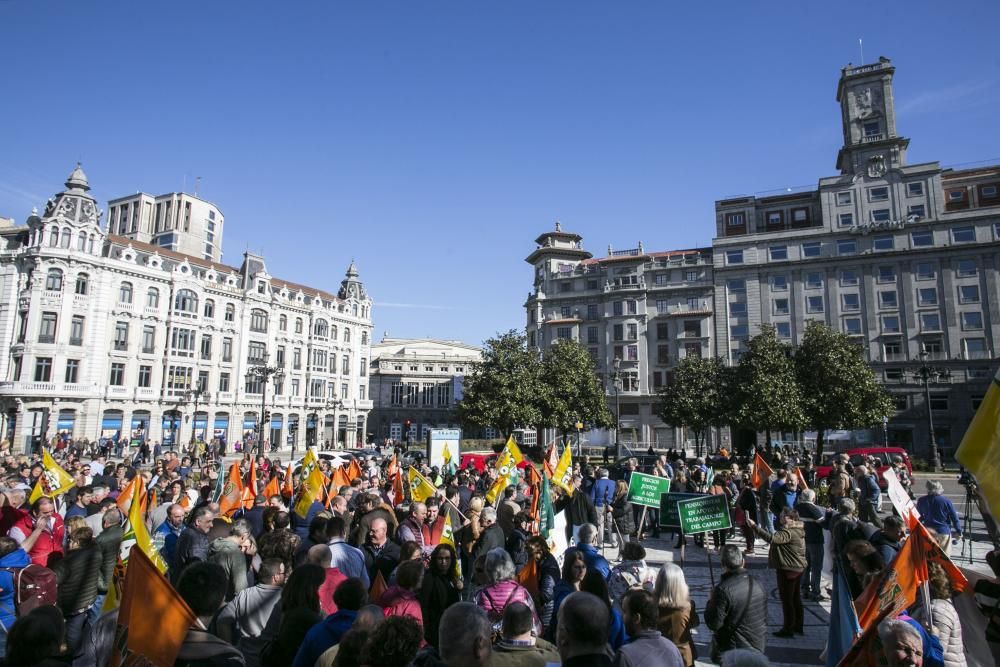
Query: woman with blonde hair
[678, 615]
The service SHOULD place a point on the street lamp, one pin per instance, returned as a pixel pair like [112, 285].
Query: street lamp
[616, 379]
[263, 373]
[334, 404]
[197, 395]
[924, 373]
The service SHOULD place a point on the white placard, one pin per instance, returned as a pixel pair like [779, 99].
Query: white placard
[900, 498]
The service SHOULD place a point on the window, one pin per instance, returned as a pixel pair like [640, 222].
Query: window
[930, 322]
[734, 219]
[592, 335]
[347, 335]
[813, 249]
[692, 328]
[780, 307]
[967, 268]
[926, 271]
[631, 306]
[206, 347]
[691, 276]
[916, 211]
[779, 283]
[848, 277]
[814, 304]
[591, 283]
[117, 377]
[566, 333]
[592, 312]
[881, 215]
[845, 219]
[209, 309]
[975, 348]
[900, 402]
[956, 195]
[47, 332]
[922, 239]
[72, 371]
[814, 280]
[988, 191]
[890, 324]
[847, 247]
[939, 402]
[148, 339]
[886, 274]
[297, 358]
[739, 331]
[878, 194]
[663, 354]
[850, 302]
[871, 129]
[972, 321]
[843, 198]
[800, 215]
[968, 293]
[298, 325]
[893, 350]
[927, 296]
[227, 349]
[734, 257]
[775, 217]
[883, 243]
[182, 342]
[661, 279]
[258, 320]
[43, 369]
[783, 329]
[779, 252]
[852, 326]
[121, 336]
[662, 331]
[345, 389]
[737, 285]
[230, 315]
[633, 331]
[738, 309]
[54, 280]
[186, 301]
[256, 352]
[914, 189]
[396, 393]
[888, 299]
[76, 330]
[82, 284]
[662, 306]
[152, 298]
[618, 332]
[963, 234]
[145, 376]
[283, 323]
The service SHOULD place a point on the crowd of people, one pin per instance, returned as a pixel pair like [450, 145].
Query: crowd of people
[365, 576]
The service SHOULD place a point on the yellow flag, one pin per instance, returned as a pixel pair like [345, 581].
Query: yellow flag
[514, 450]
[446, 454]
[980, 448]
[135, 534]
[420, 488]
[54, 480]
[506, 466]
[312, 486]
[563, 474]
[448, 537]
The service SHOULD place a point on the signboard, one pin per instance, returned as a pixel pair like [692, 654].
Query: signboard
[646, 489]
[701, 515]
[900, 498]
[669, 517]
[437, 438]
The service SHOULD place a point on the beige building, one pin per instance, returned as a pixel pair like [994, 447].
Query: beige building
[176, 221]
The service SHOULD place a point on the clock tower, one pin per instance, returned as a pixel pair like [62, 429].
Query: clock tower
[871, 144]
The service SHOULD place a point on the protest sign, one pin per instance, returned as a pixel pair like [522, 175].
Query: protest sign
[704, 514]
[669, 517]
[646, 489]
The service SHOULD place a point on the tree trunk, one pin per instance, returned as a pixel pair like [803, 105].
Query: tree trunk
[819, 446]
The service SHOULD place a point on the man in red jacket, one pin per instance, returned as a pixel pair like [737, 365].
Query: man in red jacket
[41, 533]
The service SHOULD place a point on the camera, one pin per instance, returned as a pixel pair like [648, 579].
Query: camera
[965, 478]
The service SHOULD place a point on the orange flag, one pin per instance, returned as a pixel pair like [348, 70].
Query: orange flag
[551, 460]
[250, 490]
[392, 468]
[232, 492]
[801, 478]
[535, 482]
[153, 620]
[528, 577]
[354, 470]
[761, 471]
[378, 587]
[339, 478]
[288, 488]
[125, 495]
[272, 488]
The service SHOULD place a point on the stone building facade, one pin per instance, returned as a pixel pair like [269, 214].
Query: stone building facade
[111, 337]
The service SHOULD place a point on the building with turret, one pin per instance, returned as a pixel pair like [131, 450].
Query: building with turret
[113, 336]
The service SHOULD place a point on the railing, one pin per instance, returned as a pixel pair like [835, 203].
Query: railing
[224, 396]
[870, 138]
[631, 252]
[146, 393]
[639, 284]
[117, 391]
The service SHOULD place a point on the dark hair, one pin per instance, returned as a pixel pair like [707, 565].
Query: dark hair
[517, 619]
[572, 557]
[453, 569]
[538, 542]
[349, 653]
[408, 574]
[407, 550]
[866, 554]
[335, 526]
[393, 643]
[350, 594]
[38, 503]
[269, 567]
[83, 536]
[585, 619]
[639, 601]
[301, 591]
[282, 520]
[267, 516]
[203, 587]
[595, 584]
[8, 545]
[633, 551]
[317, 526]
[35, 636]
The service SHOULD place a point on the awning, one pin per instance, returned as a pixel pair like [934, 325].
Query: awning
[222, 421]
[276, 421]
[66, 421]
[250, 422]
[111, 421]
[200, 420]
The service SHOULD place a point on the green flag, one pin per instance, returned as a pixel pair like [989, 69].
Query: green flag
[546, 515]
[220, 483]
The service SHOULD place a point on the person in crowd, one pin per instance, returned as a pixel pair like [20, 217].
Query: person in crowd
[518, 646]
[78, 578]
[501, 588]
[381, 554]
[393, 643]
[36, 639]
[370, 507]
[411, 529]
[946, 623]
[507, 510]
[193, 543]
[491, 537]
[41, 532]
[231, 553]
[574, 569]
[747, 503]
[902, 644]
[12, 558]
[320, 555]
[595, 584]
[547, 569]
[348, 559]
[938, 513]
[464, 639]
[745, 657]
[736, 611]
[350, 596]
[720, 487]
[677, 613]
[407, 551]
[865, 561]
[889, 540]
[84, 495]
[646, 645]
[579, 508]
[517, 539]
[869, 496]
[243, 620]
[203, 587]
[582, 631]
[279, 542]
[602, 494]
[787, 556]
[368, 617]
[619, 519]
[298, 611]
[400, 599]
[169, 531]
[631, 572]
[594, 559]
[441, 587]
[433, 526]
[109, 543]
[316, 535]
[813, 517]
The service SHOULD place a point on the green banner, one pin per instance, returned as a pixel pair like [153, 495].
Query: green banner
[646, 489]
[669, 518]
[701, 515]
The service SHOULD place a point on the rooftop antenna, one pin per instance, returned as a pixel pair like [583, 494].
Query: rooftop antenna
[861, 45]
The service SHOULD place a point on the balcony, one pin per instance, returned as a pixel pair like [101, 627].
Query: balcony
[701, 309]
[872, 138]
[224, 397]
[117, 392]
[146, 394]
[639, 284]
[46, 389]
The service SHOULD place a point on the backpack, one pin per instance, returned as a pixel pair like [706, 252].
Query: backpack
[34, 586]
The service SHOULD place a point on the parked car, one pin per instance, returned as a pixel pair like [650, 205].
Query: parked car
[646, 463]
[482, 460]
[860, 455]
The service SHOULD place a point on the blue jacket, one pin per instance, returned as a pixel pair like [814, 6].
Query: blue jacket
[170, 535]
[938, 514]
[15, 559]
[322, 636]
[594, 560]
[869, 489]
[300, 525]
[602, 488]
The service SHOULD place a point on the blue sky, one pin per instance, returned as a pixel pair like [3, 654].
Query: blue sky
[432, 141]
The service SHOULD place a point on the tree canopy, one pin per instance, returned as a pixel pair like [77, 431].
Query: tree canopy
[574, 390]
[766, 391]
[696, 396]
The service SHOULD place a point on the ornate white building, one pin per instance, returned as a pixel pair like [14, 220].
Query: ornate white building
[109, 335]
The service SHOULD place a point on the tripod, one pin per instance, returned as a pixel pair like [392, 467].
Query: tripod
[967, 519]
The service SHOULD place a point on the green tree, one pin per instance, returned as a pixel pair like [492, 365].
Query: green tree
[839, 388]
[766, 393]
[503, 391]
[574, 392]
[696, 397]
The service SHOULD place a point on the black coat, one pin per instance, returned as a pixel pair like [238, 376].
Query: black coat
[385, 562]
[192, 545]
[491, 538]
[737, 613]
[579, 510]
[621, 510]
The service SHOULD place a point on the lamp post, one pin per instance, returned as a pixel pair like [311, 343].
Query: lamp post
[885, 430]
[616, 379]
[196, 395]
[924, 373]
[334, 404]
[263, 374]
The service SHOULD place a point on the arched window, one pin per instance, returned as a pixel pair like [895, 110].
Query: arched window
[364, 337]
[90, 245]
[54, 238]
[82, 281]
[347, 335]
[333, 332]
[209, 310]
[258, 320]
[125, 293]
[53, 280]
[186, 301]
[66, 234]
[355, 310]
[230, 313]
[153, 298]
[81, 241]
[321, 328]
[283, 323]
[298, 325]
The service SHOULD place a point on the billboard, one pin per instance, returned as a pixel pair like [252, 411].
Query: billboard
[437, 438]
